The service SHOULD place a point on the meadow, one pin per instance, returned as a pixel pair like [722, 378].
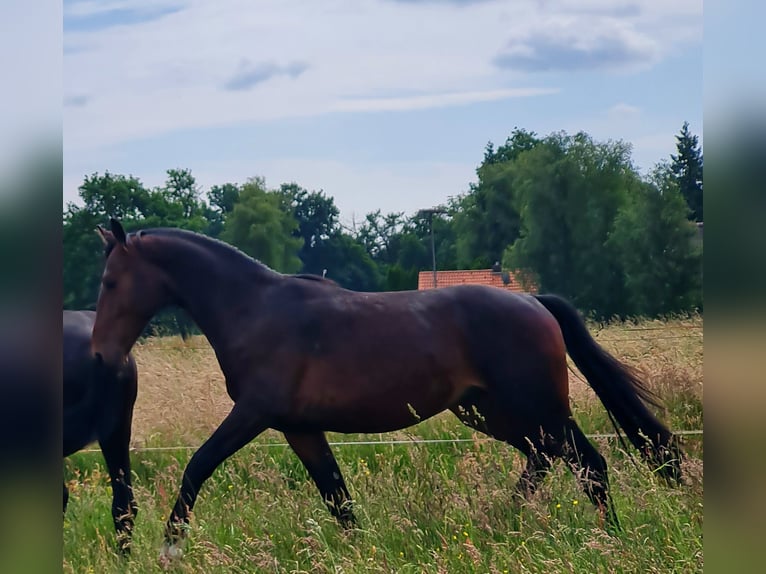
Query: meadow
[433, 507]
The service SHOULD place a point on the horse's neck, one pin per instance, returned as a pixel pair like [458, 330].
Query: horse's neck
[213, 290]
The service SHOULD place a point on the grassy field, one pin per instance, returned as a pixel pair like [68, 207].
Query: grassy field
[444, 507]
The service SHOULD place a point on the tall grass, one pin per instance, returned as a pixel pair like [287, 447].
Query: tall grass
[438, 507]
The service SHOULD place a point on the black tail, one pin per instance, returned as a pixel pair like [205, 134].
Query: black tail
[620, 389]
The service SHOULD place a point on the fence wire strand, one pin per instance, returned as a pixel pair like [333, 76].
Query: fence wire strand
[392, 442]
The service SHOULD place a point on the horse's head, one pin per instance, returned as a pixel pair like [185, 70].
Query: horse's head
[132, 290]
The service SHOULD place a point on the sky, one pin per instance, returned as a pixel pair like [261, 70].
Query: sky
[383, 104]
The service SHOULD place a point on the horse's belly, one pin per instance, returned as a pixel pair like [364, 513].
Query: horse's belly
[377, 404]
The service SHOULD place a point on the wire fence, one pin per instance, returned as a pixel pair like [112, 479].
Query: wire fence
[392, 442]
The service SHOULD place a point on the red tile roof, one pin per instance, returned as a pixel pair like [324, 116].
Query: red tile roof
[472, 277]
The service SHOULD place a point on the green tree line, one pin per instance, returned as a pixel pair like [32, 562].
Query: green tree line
[570, 214]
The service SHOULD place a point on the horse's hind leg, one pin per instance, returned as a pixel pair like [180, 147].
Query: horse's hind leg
[315, 454]
[484, 413]
[538, 465]
[590, 468]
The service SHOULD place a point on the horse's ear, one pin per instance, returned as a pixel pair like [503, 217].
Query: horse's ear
[118, 231]
[106, 236]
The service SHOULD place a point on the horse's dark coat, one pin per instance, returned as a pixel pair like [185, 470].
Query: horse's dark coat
[98, 406]
[307, 356]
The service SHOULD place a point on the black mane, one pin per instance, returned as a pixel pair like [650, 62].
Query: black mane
[312, 277]
[221, 249]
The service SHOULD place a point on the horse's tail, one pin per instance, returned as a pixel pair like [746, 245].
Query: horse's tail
[620, 389]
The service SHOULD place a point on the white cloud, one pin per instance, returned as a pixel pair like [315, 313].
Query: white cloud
[85, 8]
[625, 36]
[167, 74]
[307, 58]
[350, 49]
[622, 109]
[561, 46]
[436, 100]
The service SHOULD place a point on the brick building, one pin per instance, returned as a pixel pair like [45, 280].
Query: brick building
[500, 279]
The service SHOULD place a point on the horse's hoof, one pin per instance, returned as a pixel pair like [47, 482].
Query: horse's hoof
[124, 548]
[170, 553]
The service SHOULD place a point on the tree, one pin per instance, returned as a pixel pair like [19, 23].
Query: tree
[103, 196]
[261, 227]
[568, 190]
[486, 220]
[401, 246]
[110, 195]
[348, 264]
[222, 199]
[317, 218]
[181, 189]
[113, 195]
[380, 235]
[687, 169]
[653, 239]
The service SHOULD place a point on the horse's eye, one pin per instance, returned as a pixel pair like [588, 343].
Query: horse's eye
[110, 283]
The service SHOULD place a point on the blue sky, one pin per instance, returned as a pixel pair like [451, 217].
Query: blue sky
[381, 103]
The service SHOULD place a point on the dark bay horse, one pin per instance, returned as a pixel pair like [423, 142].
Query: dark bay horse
[302, 355]
[98, 406]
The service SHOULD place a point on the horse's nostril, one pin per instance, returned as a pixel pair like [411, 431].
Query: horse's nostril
[99, 358]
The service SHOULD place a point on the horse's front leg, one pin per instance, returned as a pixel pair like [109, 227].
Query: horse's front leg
[241, 425]
[316, 456]
[116, 453]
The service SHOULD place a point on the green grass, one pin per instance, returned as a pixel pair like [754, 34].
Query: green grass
[445, 507]
[422, 508]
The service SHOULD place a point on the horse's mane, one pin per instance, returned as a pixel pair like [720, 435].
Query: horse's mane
[312, 277]
[221, 248]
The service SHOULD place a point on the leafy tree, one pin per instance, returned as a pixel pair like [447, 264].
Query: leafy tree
[114, 195]
[181, 189]
[260, 226]
[221, 199]
[401, 246]
[348, 264]
[110, 195]
[687, 169]
[380, 234]
[572, 212]
[176, 204]
[414, 252]
[653, 238]
[317, 218]
[103, 196]
[487, 219]
[568, 190]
